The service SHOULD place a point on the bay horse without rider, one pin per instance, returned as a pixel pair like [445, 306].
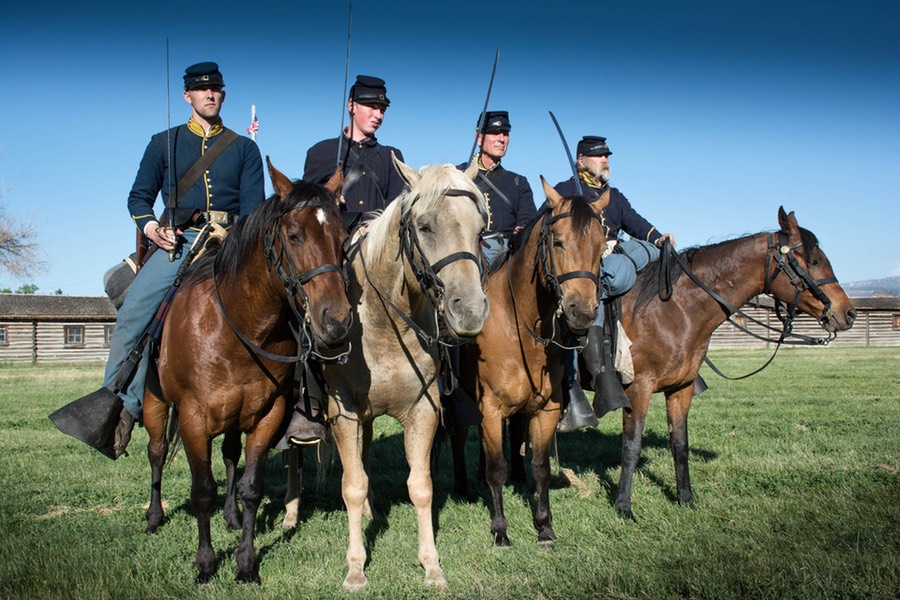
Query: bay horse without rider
[416, 282]
[228, 325]
[515, 366]
[670, 338]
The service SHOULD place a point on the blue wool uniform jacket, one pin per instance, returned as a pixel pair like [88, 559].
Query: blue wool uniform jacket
[379, 182]
[503, 216]
[233, 183]
[618, 215]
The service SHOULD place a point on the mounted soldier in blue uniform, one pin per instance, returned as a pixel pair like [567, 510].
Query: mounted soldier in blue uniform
[624, 258]
[217, 178]
[509, 200]
[370, 183]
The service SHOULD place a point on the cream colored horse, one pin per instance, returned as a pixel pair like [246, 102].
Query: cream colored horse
[415, 283]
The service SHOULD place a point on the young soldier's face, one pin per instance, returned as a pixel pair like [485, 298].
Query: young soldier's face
[206, 102]
[367, 118]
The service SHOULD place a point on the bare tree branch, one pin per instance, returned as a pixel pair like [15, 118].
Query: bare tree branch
[19, 250]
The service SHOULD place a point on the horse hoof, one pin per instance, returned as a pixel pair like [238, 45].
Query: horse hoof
[502, 540]
[438, 581]
[355, 582]
[204, 577]
[546, 539]
[625, 513]
[251, 577]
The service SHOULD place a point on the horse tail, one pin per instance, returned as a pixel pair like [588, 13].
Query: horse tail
[172, 438]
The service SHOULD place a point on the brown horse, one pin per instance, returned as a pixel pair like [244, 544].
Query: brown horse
[415, 280]
[670, 338]
[516, 364]
[224, 354]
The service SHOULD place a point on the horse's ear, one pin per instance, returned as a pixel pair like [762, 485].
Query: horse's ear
[553, 197]
[788, 223]
[472, 170]
[602, 202]
[336, 183]
[283, 186]
[409, 175]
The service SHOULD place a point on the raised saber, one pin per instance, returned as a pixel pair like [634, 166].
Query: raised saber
[170, 205]
[484, 110]
[568, 154]
[344, 97]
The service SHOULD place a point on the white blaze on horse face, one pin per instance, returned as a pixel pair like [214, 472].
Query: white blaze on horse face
[321, 217]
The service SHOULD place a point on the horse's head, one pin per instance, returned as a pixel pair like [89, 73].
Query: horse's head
[570, 247]
[808, 282]
[441, 221]
[305, 248]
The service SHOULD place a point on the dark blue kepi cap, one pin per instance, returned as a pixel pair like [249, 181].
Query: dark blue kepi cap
[369, 90]
[495, 121]
[593, 145]
[202, 75]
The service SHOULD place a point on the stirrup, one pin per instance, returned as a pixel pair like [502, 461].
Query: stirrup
[303, 431]
[578, 412]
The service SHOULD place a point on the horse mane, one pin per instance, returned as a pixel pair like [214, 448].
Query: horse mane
[582, 214]
[247, 234]
[647, 285]
[425, 196]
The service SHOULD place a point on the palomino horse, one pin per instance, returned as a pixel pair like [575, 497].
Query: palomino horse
[670, 338]
[415, 280]
[516, 364]
[222, 362]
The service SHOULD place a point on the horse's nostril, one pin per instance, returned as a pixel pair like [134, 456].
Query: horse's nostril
[851, 315]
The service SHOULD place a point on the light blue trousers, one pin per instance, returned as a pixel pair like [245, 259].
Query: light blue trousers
[619, 271]
[146, 294]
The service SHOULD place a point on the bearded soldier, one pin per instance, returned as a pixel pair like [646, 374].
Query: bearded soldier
[624, 258]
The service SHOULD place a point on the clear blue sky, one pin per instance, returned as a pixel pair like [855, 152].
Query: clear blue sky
[717, 112]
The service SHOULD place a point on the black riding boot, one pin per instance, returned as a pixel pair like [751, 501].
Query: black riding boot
[307, 426]
[577, 410]
[609, 394]
[123, 433]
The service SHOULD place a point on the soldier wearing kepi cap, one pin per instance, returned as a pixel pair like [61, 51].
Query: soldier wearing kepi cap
[370, 183]
[624, 258]
[231, 187]
[370, 180]
[509, 200]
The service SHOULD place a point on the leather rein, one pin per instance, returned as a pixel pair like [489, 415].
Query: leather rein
[781, 253]
[543, 262]
[425, 272]
[293, 284]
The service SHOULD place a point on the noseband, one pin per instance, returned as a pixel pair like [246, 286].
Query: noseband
[293, 284]
[425, 272]
[785, 261]
[543, 262]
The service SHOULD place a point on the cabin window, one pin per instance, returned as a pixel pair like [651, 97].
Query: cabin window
[4, 341]
[107, 334]
[74, 335]
[895, 321]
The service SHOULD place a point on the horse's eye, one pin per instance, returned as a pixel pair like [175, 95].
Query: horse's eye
[814, 262]
[425, 228]
[294, 238]
[557, 244]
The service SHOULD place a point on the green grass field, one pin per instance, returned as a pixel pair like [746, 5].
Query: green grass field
[795, 475]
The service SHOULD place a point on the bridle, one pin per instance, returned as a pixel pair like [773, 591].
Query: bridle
[780, 253]
[785, 262]
[293, 285]
[545, 264]
[426, 273]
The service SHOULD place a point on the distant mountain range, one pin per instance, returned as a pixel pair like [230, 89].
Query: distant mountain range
[889, 286]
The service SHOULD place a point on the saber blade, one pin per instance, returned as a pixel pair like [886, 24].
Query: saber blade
[484, 110]
[568, 153]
